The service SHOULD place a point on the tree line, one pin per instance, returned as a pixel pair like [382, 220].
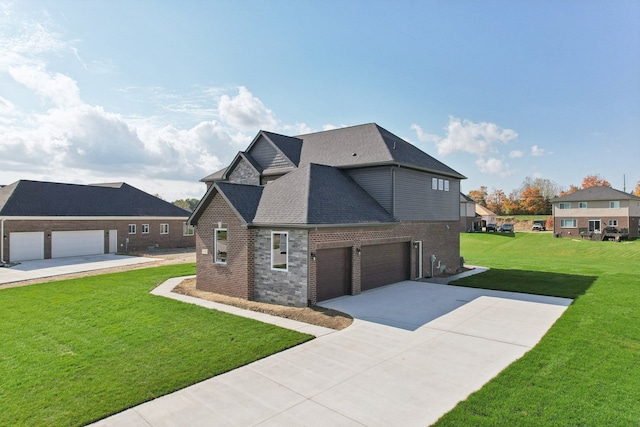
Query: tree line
[533, 196]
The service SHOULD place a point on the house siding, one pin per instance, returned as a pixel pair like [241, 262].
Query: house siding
[267, 156]
[377, 183]
[126, 243]
[235, 278]
[414, 199]
[281, 287]
[598, 210]
[244, 173]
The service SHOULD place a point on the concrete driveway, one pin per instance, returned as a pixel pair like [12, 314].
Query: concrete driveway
[413, 352]
[41, 268]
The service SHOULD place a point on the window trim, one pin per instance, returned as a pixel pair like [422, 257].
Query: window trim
[614, 204]
[271, 249]
[434, 183]
[565, 220]
[446, 185]
[215, 246]
[145, 229]
[564, 205]
[162, 228]
[132, 229]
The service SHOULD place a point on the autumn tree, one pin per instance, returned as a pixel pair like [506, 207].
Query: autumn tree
[533, 203]
[479, 196]
[594, 181]
[511, 204]
[495, 201]
[637, 192]
[548, 189]
[572, 189]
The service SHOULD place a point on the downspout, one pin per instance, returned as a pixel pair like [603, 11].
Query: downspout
[2, 237]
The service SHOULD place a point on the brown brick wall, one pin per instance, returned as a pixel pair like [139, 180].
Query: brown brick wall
[137, 242]
[235, 278]
[583, 222]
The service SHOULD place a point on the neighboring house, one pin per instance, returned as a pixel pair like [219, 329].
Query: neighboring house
[296, 220]
[592, 209]
[487, 216]
[469, 219]
[41, 220]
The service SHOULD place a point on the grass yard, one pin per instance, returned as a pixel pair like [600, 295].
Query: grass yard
[586, 369]
[75, 351]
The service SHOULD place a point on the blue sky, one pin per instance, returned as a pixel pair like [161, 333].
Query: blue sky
[161, 93]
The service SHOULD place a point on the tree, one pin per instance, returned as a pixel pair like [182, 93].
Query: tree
[511, 204]
[479, 196]
[572, 189]
[548, 189]
[188, 204]
[594, 181]
[532, 202]
[637, 192]
[495, 201]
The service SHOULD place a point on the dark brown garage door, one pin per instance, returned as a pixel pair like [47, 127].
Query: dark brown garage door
[333, 273]
[384, 264]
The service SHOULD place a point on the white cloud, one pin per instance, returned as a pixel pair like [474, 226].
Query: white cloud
[58, 88]
[493, 166]
[246, 112]
[516, 154]
[537, 151]
[425, 137]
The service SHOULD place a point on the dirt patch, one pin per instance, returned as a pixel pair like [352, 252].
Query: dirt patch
[313, 315]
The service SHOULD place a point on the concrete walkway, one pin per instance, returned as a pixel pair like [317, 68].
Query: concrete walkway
[413, 352]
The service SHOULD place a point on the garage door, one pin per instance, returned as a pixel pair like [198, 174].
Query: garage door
[26, 246]
[333, 273]
[76, 243]
[384, 264]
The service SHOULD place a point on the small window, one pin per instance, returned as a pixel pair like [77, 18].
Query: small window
[145, 228]
[440, 184]
[187, 230]
[132, 229]
[582, 205]
[164, 228]
[614, 205]
[446, 185]
[220, 245]
[568, 223]
[612, 223]
[434, 183]
[564, 205]
[279, 249]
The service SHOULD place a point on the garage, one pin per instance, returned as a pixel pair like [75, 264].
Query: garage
[77, 243]
[333, 273]
[384, 264]
[26, 246]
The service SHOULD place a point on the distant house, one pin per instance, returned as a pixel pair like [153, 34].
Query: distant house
[592, 209]
[296, 220]
[487, 216]
[469, 219]
[51, 220]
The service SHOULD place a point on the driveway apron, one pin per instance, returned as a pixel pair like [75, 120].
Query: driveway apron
[414, 351]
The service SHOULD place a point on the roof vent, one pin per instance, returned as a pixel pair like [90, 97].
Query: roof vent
[354, 154]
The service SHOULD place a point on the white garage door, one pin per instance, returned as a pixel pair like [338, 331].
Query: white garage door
[26, 246]
[76, 243]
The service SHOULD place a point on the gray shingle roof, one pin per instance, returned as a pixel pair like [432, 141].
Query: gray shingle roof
[318, 195]
[243, 198]
[596, 193]
[289, 145]
[36, 198]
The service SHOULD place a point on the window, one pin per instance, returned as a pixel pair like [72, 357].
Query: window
[568, 223]
[187, 230]
[441, 184]
[220, 245]
[565, 205]
[582, 205]
[279, 246]
[434, 183]
[132, 229]
[145, 228]
[164, 228]
[614, 205]
[446, 185]
[612, 223]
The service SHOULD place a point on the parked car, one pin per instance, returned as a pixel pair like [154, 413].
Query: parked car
[539, 225]
[506, 228]
[490, 227]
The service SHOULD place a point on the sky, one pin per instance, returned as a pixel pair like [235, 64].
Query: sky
[159, 94]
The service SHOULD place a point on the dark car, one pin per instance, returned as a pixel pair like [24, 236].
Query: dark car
[490, 227]
[506, 228]
[539, 226]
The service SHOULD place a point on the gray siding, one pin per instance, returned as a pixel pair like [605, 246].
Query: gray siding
[416, 200]
[267, 156]
[377, 183]
[244, 174]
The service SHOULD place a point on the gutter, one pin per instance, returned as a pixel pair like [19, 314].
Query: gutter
[2, 261]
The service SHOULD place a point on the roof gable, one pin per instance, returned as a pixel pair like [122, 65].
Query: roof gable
[595, 194]
[36, 198]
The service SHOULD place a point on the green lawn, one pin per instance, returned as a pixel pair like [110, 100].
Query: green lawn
[586, 370]
[75, 351]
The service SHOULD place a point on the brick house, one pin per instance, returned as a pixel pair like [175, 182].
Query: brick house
[297, 220]
[40, 220]
[592, 209]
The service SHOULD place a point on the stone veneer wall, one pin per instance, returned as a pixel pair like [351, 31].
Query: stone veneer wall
[244, 174]
[281, 287]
